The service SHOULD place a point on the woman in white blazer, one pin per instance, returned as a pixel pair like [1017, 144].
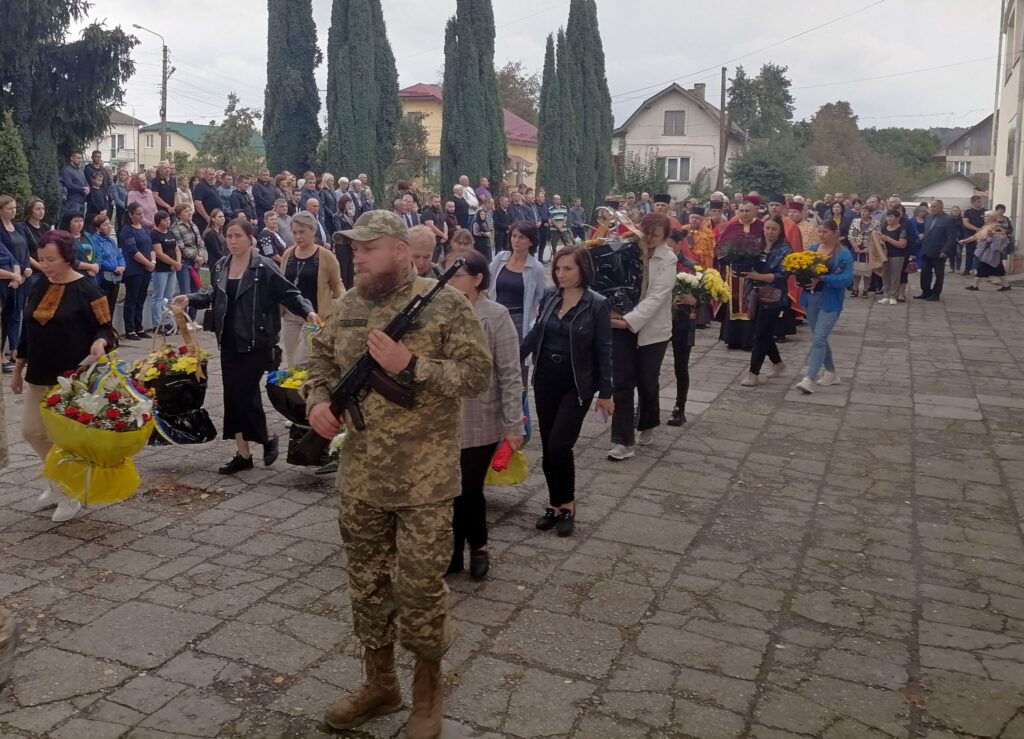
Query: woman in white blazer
[639, 341]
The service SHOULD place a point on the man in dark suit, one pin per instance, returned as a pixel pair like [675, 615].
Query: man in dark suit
[937, 244]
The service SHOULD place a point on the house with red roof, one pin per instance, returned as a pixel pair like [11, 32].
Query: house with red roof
[424, 102]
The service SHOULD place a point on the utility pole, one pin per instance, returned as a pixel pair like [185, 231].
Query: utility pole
[165, 74]
[723, 138]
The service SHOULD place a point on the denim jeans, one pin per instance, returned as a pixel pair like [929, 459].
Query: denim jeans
[164, 284]
[821, 322]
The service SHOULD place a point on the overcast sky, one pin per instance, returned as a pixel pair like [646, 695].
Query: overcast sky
[930, 62]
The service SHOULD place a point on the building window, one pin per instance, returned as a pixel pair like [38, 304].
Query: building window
[675, 169]
[415, 116]
[116, 144]
[149, 140]
[167, 141]
[675, 123]
[963, 168]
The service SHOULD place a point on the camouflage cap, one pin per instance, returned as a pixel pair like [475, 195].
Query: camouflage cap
[376, 223]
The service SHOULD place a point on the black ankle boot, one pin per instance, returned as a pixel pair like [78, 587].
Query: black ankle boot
[238, 463]
[678, 418]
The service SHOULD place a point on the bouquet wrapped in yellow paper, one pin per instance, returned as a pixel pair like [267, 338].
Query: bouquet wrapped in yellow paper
[95, 432]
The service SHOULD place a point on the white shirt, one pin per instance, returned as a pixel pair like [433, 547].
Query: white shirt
[471, 200]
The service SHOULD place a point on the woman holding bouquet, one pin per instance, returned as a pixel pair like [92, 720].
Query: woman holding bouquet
[67, 318]
[684, 330]
[768, 297]
[246, 296]
[823, 300]
[315, 271]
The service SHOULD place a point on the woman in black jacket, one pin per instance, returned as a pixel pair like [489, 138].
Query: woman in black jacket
[571, 343]
[246, 295]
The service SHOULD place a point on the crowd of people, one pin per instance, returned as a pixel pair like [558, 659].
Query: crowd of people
[589, 332]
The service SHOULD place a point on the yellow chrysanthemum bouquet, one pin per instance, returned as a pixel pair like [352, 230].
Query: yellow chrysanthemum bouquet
[705, 285]
[805, 266]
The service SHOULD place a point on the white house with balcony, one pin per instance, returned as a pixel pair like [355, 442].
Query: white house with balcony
[118, 141]
[684, 129]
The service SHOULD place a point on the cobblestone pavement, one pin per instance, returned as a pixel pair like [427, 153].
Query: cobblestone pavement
[843, 565]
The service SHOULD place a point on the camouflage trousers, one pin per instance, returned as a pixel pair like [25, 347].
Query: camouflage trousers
[397, 558]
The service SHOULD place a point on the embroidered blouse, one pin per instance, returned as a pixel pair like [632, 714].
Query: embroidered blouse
[61, 323]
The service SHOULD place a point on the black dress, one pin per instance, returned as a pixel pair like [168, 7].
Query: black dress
[243, 402]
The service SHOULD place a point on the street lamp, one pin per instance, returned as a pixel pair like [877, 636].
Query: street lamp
[165, 75]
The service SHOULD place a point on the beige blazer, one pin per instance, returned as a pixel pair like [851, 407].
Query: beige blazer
[328, 279]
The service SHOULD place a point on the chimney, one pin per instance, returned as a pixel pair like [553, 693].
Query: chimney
[189, 123]
[699, 89]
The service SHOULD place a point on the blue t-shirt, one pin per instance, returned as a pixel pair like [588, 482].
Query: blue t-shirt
[135, 240]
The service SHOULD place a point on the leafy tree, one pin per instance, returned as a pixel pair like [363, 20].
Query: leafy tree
[700, 185]
[835, 137]
[184, 164]
[231, 142]
[61, 92]
[363, 110]
[291, 130]
[638, 171]
[742, 99]
[585, 81]
[473, 134]
[519, 91]
[763, 105]
[411, 155]
[778, 165]
[774, 102]
[13, 162]
[913, 147]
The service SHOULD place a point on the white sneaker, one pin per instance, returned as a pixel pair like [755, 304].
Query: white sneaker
[645, 437]
[67, 509]
[50, 496]
[886, 301]
[805, 386]
[750, 380]
[829, 378]
[776, 370]
[620, 452]
[892, 301]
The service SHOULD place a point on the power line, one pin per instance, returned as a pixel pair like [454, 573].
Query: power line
[895, 74]
[756, 51]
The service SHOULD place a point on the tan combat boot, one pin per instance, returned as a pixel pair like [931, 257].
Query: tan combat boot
[425, 719]
[378, 696]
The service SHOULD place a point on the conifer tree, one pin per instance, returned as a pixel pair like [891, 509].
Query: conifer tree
[548, 134]
[473, 132]
[13, 163]
[291, 131]
[363, 109]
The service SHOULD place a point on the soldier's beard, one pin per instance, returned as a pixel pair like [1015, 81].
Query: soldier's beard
[374, 287]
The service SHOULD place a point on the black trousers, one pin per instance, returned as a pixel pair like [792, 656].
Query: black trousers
[469, 510]
[933, 274]
[682, 345]
[500, 241]
[135, 287]
[110, 291]
[765, 330]
[634, 368]
[560, 417]
[542, 241]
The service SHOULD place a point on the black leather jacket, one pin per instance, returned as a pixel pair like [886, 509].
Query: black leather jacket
[590, 342]
[256, 318]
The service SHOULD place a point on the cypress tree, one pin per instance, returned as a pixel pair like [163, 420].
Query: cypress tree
[548, 136]
[568, 111]
[291, 130]
[363, 109]
[13, 162]
[473, 130]
[584, 57]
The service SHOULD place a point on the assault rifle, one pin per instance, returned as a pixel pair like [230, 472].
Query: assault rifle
[366, 375]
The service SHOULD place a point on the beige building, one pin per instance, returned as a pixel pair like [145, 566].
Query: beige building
[970, 154]
[426, 102]
[186, 137]
[684, 129]
[1007, 183]
[118, 142]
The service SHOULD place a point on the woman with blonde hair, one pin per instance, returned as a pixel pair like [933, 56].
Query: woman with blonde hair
[992, 240]
[462, 242]
[315, 271]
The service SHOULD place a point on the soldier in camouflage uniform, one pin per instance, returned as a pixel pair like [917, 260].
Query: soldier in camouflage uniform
[398, 477]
